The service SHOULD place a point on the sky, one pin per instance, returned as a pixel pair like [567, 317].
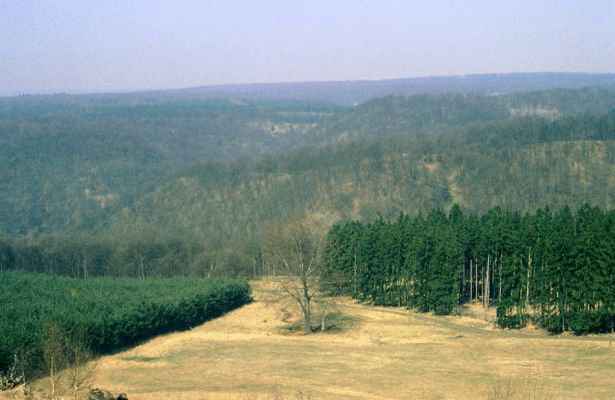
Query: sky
[106, 46]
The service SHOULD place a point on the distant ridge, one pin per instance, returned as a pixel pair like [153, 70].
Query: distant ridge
[349, 92]
[352, 91]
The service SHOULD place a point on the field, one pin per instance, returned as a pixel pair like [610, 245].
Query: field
[370, 353]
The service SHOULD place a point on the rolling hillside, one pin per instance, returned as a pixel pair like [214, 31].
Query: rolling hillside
[70, 162]
[521, 165]
[429, 114]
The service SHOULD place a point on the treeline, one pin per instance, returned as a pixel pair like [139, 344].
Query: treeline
[110, 312]
[556, 269]
[149, 255]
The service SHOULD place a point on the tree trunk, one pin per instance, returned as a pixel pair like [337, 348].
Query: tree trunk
[354, 272]
[75, 382]
[85, 267]
[486, 285]
[307, 318]
[52, 378]
[475, 279]
[500, 278]
[323, 322]
[142, 265]
[527, 283]
[471, 280]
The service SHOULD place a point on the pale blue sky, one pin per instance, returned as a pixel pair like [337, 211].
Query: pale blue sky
[84, 46]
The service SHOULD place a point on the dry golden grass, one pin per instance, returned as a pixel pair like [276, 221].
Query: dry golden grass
[387, 353]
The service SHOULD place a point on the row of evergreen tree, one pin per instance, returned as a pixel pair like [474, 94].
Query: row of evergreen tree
[556, 269]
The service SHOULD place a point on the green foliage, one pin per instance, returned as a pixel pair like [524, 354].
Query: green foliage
[554, 268]
[111, 312]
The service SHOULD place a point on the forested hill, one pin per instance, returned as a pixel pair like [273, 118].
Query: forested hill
[520, 165]
[429, 114]
[69, 162]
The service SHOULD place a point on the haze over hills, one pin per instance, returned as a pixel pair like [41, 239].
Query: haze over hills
[521, 165]
[431, 114]
[124, 185]
[349, 92]
[72, 162]
[66, 163]
[357, 91]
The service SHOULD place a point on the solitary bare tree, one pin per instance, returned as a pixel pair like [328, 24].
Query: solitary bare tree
[53, 349]
[80, 365]
[295, 248]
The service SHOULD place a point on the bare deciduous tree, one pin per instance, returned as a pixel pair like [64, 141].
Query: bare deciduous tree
[69, 362]
[530, 386]
[53, 349]
[295, 248]
[80, 365]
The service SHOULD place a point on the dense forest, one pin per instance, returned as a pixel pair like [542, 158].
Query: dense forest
[208, 218]
[111, 313]
[428, 114]
[156, 185]
[147, 255]
[520, 165]
[69, 163]
[556, 269]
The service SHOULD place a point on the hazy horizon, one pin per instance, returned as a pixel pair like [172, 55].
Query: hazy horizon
[86, 47]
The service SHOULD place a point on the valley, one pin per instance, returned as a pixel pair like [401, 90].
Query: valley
[156, 185]
[323, 200]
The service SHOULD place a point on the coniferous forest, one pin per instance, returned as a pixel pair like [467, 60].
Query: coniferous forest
[555, 269]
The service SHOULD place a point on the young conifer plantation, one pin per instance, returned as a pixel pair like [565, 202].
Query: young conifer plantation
[112, 313]
[555, 269]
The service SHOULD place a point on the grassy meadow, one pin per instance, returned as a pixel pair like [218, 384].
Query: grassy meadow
[256, 352]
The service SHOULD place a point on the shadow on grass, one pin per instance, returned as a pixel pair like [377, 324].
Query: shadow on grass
[335, 322]
[142, 359]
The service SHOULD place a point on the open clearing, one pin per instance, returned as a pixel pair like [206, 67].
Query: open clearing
[382, 353]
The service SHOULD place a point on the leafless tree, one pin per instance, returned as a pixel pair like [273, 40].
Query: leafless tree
[80, 366]
[53, 349]
[69, 362]
[295, 248]
[530, 386]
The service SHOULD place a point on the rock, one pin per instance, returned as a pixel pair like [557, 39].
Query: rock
[122, 396]
[22, 392]
[99, 394]
[9, 382]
